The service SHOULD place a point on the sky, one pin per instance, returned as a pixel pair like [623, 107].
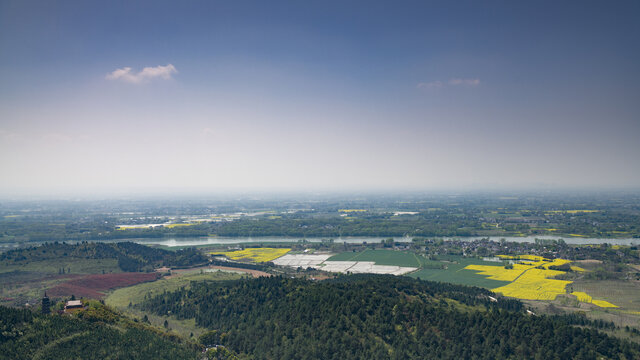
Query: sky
[286, 95]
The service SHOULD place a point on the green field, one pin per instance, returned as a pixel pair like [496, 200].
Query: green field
[456, 274]
[445, 268]
[120, 298]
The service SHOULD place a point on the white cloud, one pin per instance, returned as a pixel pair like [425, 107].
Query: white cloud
[452, 82]
[430, 85]
[466, 82]
[125, 74]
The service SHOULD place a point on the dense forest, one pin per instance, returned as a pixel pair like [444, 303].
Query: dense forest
[130, 256]
[379, 317]
[96, 333]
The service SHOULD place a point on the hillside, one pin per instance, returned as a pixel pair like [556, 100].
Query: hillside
[130, 256]
[378, 317]
[95, 333]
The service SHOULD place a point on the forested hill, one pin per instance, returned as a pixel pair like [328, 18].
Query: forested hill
[96, 333]
[378, 317]
[130, 256]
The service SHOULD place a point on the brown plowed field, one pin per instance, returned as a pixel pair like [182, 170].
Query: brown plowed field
[94, 286]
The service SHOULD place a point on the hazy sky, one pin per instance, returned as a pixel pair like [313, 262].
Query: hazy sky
[318, 94]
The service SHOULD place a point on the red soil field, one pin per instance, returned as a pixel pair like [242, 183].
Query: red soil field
[94, 286]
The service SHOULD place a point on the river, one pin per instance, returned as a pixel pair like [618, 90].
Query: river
[200, 241]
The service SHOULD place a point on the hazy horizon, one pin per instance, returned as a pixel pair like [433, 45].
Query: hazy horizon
[155, 96]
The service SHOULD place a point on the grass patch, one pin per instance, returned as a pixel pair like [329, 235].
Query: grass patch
[121, 298]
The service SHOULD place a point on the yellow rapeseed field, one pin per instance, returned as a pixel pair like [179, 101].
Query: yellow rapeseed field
[253, 254]
[555, 262]
[531, 279]
[577, 268]
[582, 296]
[586, 298]
[603, 304]
[534, 284]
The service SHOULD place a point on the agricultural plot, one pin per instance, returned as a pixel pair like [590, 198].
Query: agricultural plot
[534, 284]
[586, 298]
[301, 260]
[531, 279]
[325, 262]
[624, 294]
[26, 282]
[362, 267]
[253, 254]
[95, 286]
[451, 269]
[382, 257]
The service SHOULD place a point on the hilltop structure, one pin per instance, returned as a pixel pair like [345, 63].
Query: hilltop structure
[46, 304]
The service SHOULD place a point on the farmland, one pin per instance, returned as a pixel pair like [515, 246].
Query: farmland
[530, 277]
[370, 261]
[624, 294]
[27, 281]
[253, 254]
[382, 257]
[95, 286]
[70, 269]
[453, 270]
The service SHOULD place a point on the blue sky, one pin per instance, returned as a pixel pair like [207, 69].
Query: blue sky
[318, 94]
